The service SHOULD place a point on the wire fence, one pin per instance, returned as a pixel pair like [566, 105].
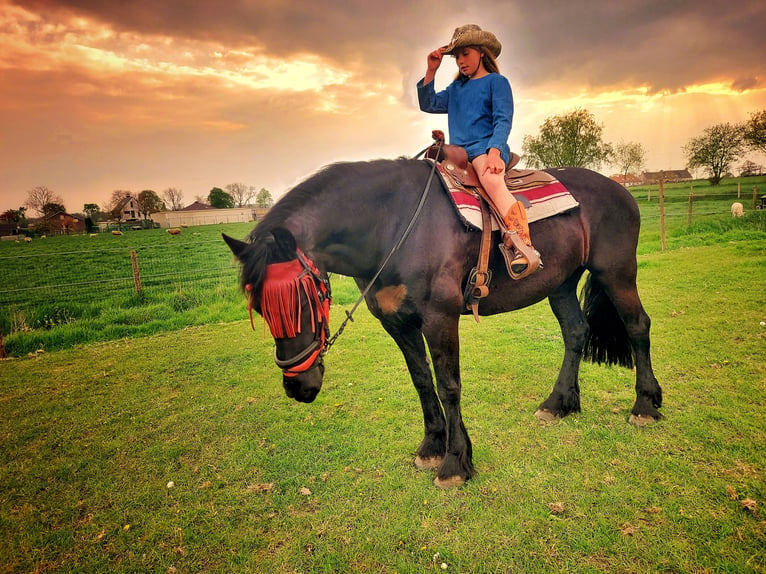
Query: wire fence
[49, 287]
[69, 280]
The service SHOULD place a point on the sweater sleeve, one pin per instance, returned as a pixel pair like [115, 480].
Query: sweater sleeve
[502, 112]
[430, 101]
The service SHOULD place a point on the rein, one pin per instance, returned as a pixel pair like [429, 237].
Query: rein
[283, 317]
[394, 249]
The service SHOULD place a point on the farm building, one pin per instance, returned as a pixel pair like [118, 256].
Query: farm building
[669, 176]
[8, 228]
[59, 223]
[627, 179]
[202, 214]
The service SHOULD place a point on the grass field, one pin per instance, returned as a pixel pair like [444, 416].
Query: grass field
[178, 452]
[63, 291]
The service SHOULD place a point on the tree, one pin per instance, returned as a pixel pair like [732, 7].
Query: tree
[91, 209]
[571, 140]
[749, 168]
[263, 199]
[173, 197]
[240, 193]
[755, 131]
[150, 202]
[219, 199]
[14, 215]
[629, 156]
[716, 150]
[40, 196]
[53, 208]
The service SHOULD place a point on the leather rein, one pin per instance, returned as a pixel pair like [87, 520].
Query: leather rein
[315, 351]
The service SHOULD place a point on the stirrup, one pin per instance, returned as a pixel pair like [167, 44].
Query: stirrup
[513, 249]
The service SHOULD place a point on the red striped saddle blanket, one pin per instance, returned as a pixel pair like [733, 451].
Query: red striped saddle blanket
[541, 193]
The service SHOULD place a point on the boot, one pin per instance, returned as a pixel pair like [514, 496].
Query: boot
[520, 257]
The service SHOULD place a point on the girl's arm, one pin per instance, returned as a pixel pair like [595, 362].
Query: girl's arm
[428, 99]
[434, 61]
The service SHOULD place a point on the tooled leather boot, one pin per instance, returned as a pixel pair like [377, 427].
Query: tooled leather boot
[520, 257]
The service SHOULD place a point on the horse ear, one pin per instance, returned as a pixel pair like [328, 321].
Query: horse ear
[237, 247]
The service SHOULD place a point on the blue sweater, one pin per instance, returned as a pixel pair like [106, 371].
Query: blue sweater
[480, 112]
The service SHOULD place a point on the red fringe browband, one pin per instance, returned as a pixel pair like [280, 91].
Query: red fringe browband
[281, 298]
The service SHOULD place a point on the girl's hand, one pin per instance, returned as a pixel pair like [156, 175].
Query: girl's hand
[495, 163]
[435, 60]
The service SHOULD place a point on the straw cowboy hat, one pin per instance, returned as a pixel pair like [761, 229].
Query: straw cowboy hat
[473, 35]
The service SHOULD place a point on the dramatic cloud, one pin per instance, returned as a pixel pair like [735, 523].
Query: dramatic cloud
[97, 96]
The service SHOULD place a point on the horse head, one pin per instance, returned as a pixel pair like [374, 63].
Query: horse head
[293, 296]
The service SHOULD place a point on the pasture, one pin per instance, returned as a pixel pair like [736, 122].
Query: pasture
[63, 291]
[178, 451]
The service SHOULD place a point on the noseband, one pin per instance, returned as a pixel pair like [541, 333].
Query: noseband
[281, 308]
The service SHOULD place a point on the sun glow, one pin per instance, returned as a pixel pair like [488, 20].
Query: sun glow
[97, 50]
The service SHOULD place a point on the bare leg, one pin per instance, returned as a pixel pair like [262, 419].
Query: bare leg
[494, 184]
[521, 257]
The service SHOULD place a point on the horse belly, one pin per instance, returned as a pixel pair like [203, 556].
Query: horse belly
[561, 243]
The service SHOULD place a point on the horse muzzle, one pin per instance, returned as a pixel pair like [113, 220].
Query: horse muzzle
[305, 386]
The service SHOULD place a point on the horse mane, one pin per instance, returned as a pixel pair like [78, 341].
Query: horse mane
[272, 243]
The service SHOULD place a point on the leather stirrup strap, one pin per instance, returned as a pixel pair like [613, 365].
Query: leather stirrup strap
[478, 282]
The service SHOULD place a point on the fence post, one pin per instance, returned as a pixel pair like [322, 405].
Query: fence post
[136, 273]
[662, 212]
[739, 189]
[755, 197]
[691, 205]
[2, 345]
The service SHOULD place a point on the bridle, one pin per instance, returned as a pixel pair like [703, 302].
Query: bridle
[311, 283]
[311, 356]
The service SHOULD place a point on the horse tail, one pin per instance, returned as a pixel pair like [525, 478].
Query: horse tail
[608, 340]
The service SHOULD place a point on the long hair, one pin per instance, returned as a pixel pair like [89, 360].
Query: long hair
[489, 61]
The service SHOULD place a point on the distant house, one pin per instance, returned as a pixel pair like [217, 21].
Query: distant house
[130, 210]
[669, 176]
[59, 223]
[196, 206]
[627, 180]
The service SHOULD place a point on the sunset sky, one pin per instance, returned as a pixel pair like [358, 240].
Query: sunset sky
[100, 95]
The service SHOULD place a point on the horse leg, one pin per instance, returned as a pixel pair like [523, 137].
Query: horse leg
[565, 397]
[622, 290]
[430, 453]
[443, 341]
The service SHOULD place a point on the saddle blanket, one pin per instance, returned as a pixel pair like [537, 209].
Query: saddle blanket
[540, 202]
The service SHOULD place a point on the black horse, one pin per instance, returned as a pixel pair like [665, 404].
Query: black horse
[347, 218]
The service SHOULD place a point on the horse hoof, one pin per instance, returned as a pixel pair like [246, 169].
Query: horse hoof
[451, 482]
[641, 421]
[429, 463]
[546, 416]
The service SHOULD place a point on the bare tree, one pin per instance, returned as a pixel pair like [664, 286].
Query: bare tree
[240, 193]
[174, 198]
[41, 196]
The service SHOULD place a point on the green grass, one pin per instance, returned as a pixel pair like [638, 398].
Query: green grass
[92, 435]
[63, 291]
[71, 290]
